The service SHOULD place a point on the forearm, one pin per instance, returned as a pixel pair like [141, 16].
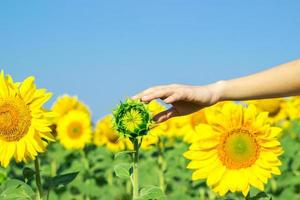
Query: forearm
[280, 81]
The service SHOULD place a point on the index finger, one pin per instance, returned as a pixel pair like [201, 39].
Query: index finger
[145, 92]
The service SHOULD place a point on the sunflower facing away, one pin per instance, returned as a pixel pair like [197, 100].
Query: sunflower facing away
[24, 124]
[105, 135]
[74, 130]
[236, 149]
[275, 107]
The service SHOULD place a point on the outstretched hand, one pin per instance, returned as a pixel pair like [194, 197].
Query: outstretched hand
[185, 99]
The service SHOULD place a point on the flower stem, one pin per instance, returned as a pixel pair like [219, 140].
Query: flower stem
[160, 161]
[38, 178]
[135, 174]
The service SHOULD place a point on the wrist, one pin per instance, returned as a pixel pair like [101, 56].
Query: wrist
[218, 91]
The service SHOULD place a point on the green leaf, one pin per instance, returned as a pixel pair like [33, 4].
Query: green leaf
[122, 153]
[14, 189]
[28, 173]
[151, 192]
[63, 179]
[122, 170]
[260, 195]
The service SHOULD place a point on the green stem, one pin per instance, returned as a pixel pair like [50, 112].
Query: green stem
[110, 177]
[160, 161]
[135, 174]
[53, 168]
[38, 178]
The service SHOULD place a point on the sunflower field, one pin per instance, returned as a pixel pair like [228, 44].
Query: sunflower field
[232, 150]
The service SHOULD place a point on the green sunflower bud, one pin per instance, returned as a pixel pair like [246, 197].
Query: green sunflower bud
[132, 118]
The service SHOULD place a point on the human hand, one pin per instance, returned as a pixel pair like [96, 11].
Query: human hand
[185, 99]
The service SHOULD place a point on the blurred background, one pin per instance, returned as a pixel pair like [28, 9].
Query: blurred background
[104, 51]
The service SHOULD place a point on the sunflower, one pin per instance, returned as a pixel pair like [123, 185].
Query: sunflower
[236, 149]
[275, 107]
[66, 103]
[293, 108]
[74, 129]
[132, 118]
[105, 135]
[24, 124]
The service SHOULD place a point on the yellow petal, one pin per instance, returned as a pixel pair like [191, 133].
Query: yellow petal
[216, 175]
[205, 144]
[250, 114]
[27, 89]
[199, 155]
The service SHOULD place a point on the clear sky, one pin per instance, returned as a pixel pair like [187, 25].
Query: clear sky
[103, 51]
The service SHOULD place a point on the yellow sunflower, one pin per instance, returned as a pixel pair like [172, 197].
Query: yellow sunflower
[293, 108]
[105, 135]
[74, 130]
[236, 149]
[66, 103]
[24, 124]
[149, 141]
[275, 107]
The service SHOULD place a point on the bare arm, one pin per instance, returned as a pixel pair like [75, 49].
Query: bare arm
[280, 81]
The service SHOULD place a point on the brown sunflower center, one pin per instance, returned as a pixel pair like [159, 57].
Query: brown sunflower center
[112, 137]
[238, 149]
[75, 129]
[274, 112]
[15, 119]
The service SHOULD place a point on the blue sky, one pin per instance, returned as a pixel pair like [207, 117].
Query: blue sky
[103, 51]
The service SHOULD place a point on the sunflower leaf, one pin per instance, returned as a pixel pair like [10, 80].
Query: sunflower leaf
[28, 173]
[122, 170]
[14, 189]
[260, 195]
[122, 153]
[63, 179]
[151, 192]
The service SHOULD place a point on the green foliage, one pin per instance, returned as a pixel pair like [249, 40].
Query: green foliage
[28, 173]
[95, 173]
[59, 180]
[14, 189]
[151, 192]
[123, 170]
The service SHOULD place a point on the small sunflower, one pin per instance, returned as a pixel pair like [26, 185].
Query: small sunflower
[293, 108]
[74, 130]
[275, 108]
[24, 123]
[132, 118]
[66, 103]
[236, 149]
[149, 141]
[105, 135]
